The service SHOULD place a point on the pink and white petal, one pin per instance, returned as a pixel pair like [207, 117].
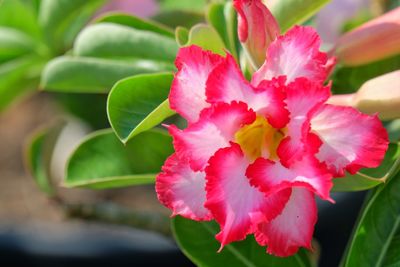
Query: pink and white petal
[214, 130]
[271, 177]
[302, 97]
[273, 105]
[295, 54]
[350, 139]
[235, 204]
[182, 190]
[293, 228]
[187, 96]
[226, 83]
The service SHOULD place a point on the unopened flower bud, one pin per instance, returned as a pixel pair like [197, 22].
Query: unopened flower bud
[372, 41]
[257, 28]
[380, 95]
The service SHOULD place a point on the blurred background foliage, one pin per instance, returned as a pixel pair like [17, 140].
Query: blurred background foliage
[108, 64]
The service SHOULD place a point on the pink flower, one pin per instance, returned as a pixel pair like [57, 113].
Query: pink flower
[255, 154]
[257, 28]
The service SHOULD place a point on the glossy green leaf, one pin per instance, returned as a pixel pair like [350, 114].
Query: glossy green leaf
[175, 18]
[393, 128]
[102, 161]
[206, 37]
[392, 257]
[215, 17]
[63, 19]
[198, 243]
[223, 18]
[14, 43]
[20, 15]
[110, 40]
[137, 23]
[35, 161]
[350, 79]
[181, 36]
[93, 75]
[138, 103]
[291, 12]
[369, 178]
[377, 226]
[17, 77]
[197, 5]
[77, 105]
[231, 25]
[38, 156]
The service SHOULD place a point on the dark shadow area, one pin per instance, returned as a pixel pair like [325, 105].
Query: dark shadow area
[335, 225]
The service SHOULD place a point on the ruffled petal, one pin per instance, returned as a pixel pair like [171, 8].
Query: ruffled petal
[295, 54]
[293, 228]
[302, 98]
[187, 96]
[226, 83]
[235, 204]
[214, 130]
[350, 140]
[271, 177]
[182, 190]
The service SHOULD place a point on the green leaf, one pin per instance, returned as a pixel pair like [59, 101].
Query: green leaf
[291, 12]
[14, 43]
[378, 223]
[38, 155]
[21, 16]
[77, 105]
[175, 18]
[138, 103]
[110, 40]
[197, 241]
[17, 77]
[181, 36]
[206, 37]
[197, 5]
[393, 128]
[369, 178]
[137, 23]
[224, 20]
[93, 75]
[350, 79]
[392, 258]
[63, 19]
[102, 161]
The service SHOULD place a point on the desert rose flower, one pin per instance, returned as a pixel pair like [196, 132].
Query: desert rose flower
[255, 154]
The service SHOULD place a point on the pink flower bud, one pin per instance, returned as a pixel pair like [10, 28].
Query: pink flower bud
[257, 28]
[380, 95]
[374, 40]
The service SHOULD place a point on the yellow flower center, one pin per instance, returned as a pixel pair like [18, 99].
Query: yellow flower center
[259, 139]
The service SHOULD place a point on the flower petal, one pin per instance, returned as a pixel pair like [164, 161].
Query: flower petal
[182, 190]
[293, 228]
[214, 130]
[295, 54]
[257, 28]
[187, 96]
[350, 140]
[271, 177]
[302, 97]
[226, 83]
[235, 204]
